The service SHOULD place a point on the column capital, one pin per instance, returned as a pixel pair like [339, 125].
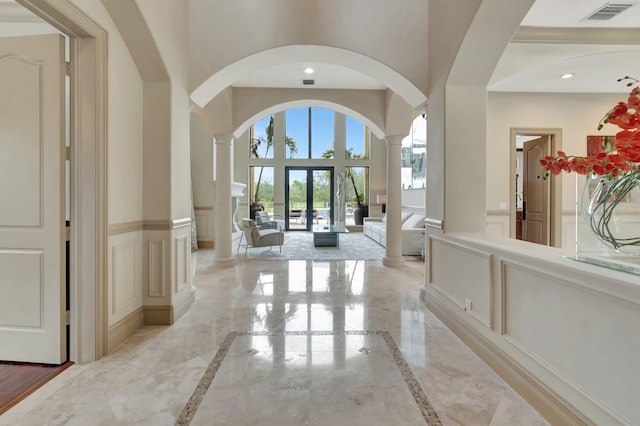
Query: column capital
[222, 138]
[394, 139]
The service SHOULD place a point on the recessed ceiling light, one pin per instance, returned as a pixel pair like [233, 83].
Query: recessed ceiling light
[567, 75]
[309, 70]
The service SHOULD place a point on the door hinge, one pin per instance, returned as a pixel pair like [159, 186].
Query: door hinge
[68, 153]
[68, 318]
[67, 233]
[68, 68]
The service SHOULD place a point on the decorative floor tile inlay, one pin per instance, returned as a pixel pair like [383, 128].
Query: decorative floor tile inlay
[428, 413]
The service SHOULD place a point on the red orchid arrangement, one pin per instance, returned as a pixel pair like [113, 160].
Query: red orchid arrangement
[625, 158]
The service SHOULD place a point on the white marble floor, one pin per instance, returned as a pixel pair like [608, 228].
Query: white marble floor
[287, 342]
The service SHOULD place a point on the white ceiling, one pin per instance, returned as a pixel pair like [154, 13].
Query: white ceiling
[529, 66]
[325, 76]
[526, 65]
[571, 13]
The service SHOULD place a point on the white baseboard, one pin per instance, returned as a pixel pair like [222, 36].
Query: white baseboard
[124, 328]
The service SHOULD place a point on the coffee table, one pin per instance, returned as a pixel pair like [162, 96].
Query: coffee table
[325, 236]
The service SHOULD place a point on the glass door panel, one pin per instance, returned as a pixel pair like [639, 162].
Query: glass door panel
[308, 197]
[296, 199]
[322, 196]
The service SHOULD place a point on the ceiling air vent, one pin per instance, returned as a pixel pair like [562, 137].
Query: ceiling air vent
[308, 82]
[608, 11]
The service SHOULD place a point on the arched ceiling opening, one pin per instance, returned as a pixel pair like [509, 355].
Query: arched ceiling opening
[244, 68]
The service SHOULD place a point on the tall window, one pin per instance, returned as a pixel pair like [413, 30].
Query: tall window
[261, 138]
[309, 136]
[357, 139]
[356, 190]
[414, 156]
[261, 186]
[322, 123]
[357, 183]
[297, 128]
[312, 131]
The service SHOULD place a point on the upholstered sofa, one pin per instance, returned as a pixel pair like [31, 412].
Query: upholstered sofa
[412, 236]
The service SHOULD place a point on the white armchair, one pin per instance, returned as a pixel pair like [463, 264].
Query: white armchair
[255, 237]
[264, 221]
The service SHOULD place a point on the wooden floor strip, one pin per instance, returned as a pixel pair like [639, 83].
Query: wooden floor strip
[19, 380]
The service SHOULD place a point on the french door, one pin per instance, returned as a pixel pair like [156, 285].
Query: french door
[308, 196]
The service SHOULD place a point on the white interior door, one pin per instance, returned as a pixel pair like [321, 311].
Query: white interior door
[535, 193]
[32, 232]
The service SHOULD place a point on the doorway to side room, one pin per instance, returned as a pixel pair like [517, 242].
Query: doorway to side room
[535, 208]
[35, 261]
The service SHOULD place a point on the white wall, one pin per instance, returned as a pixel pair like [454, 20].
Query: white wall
[377, 174]
[125, 139]
[577, 115]
[202, 160]
[168, 26]
[124, 146]
[414, 197]
[449, 22]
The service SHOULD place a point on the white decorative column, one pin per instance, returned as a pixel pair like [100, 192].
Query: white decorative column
[222, 206]
[394, 200]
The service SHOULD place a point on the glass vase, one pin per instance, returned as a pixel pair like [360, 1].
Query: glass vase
[611, 211]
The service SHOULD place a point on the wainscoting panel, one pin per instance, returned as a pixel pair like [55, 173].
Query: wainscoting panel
[594, 325]
[182, 262]
[156, 268]
[168, 292]
[125, 277]
[464, 276]
[204, 225]
[565, 335]
[123, 270]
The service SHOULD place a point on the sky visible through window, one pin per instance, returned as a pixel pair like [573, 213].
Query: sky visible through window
[297, 122]
[355, 136]
[322, 133]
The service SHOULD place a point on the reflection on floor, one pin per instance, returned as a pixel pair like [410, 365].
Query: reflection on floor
[304, 366]
[288, 342]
